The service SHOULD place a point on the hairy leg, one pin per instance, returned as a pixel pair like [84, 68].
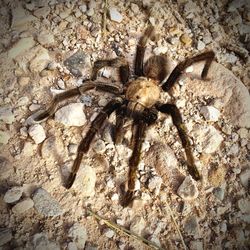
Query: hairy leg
[172, 110]
[141, 122]
[119, 62]
[88, 85]
[175, 74]
[149, 33]
[86, 141]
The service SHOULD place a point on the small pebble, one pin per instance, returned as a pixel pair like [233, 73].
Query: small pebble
[109, 233]
[244, 205]
[201, 45]
[6, 168]
[191, 226]
[6, 115]
[186, 39]
[99, 146]
[23, 206]
[245, 177]
[115, 15]
[188, 189]
[137, 225]
[13, 194]
[78, 233]
[210, 113]
[37, 133]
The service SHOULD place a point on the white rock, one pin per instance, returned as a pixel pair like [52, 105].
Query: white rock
[160, 50]
[115, 197]
[6, 115]
[138, 224]
[210, 113]
[155, 184]
[234, 149]
[243, 133]
[85, 180]
[135, 8]
[79, 234]
[245, 177]
[71, 115]
[13, 194]
[23, 206]
[34, 107]
[37, 133]
[209, 138]
[188, 189]
[109, 233]
[4, 137]
[115, 15]
[23, 45]
[201, 45]
[40, 61]
[72, 246]
[22, 101]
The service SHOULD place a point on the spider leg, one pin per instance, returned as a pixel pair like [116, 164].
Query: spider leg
[88, 85]
[120, 119]
[141, 122]
[175, 74]
[149, 33]
[86, 141]
[172, 110]
[118, 62]
[156, 68]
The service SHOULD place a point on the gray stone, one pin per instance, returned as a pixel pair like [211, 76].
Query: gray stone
[188, 189]
[219, 193]
[37, 133]
[5, 236]
[71, 115]
[245, 177]
[21, 18]
[23, 45]
[244, 205]
[42, 12]
[77, 62]
[79, 235]
[6, 168]
[137, 225]
[191, 226]
[115, 15]
[83, 8]
[23, 206]
[13, 194]
[154, 184]
[41, 242]
[4, 137]
[99, 146]
[6, 115]
[45, 204]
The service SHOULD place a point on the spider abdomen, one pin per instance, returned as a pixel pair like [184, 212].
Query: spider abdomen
[143, 91]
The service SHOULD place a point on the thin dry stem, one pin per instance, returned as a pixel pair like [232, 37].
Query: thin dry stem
[124, 230]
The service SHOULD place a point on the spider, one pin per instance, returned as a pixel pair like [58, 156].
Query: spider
[136, 99]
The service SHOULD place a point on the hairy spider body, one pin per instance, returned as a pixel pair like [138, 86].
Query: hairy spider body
[138, 100]
[143, 91]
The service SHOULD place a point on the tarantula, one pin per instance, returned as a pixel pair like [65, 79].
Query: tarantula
[136, 99]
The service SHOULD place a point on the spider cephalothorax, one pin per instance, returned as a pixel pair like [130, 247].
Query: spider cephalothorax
[136, 99]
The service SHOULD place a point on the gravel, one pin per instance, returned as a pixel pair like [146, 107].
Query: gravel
[13, 194]
[5, 236]
[188, 189]
[37, 133]
[23, 205]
